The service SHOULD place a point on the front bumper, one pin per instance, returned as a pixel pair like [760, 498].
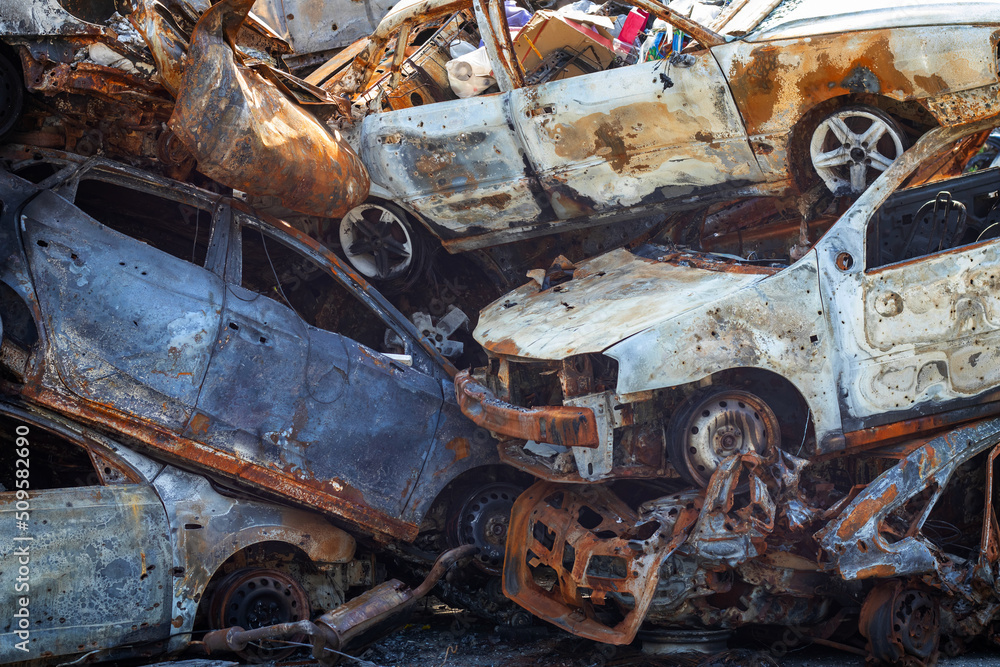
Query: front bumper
[557, 425]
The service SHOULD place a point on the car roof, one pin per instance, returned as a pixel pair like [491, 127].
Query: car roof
[801, 18]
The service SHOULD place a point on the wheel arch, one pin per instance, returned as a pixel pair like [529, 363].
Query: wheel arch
[209, 553]
[911, 115]
[782, 396]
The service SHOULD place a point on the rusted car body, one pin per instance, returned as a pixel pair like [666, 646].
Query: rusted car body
[235, 344]
[160, 88]
[97, 87]
[118, 551]
[710, 370]
[729, 117]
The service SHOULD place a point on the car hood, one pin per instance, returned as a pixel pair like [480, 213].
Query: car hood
[610, 298]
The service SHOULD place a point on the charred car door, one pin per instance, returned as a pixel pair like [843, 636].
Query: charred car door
[89, 565]
[129, 311]
[924, 312]
[622, 138]
[295, 384]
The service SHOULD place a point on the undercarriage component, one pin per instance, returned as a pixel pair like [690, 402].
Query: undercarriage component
[577, 560]
[712, 426]
[334, 629]
[671, 641]
[259, 597]
[901, 624]
[855, 540]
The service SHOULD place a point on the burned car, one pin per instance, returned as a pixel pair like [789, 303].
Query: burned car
[119, 555]
[240, 347]
[733, 380]
[83, 78]
[574, 137]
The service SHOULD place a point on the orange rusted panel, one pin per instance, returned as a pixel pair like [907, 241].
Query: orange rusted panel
[557, 425]
[246, 134]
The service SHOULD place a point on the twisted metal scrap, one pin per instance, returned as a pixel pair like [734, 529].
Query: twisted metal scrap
[244, 132]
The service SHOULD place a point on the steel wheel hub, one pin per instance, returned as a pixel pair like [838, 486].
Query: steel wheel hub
[723, 424]
[255, 598]
[483, 521]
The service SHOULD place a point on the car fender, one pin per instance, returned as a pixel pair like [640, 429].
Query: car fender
[778, 324]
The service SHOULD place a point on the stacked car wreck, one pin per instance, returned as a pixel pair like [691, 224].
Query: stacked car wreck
[755, 385]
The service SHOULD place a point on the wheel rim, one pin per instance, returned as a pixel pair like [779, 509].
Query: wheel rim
[484, 520]
[724, 424]
[900, 623]
[377, 242]
[256, 598]
[851, 148]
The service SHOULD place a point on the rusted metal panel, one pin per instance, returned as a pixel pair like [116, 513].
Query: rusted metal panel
[97, 568]
[246, 134]
[562, 425]
[619, 138]
[855, 542]
[450, 162]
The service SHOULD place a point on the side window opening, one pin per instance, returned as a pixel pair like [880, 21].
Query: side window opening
[281, 273]
[173, 227]
[53, 461]
[928, 219]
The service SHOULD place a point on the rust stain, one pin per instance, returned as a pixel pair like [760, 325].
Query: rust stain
[200, 423]
[778, 83]
[626, 137]
[460, 447]
[497, 201]
[932, 83]
[883, 570]
[864, 511]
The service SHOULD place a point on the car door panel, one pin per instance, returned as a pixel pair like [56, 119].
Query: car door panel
[324, 410]
[97, 568]
[130, 325]
[447, 159]
[920, 336]
[641, 134]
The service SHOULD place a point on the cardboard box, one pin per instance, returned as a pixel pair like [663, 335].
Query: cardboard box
[588, 37]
